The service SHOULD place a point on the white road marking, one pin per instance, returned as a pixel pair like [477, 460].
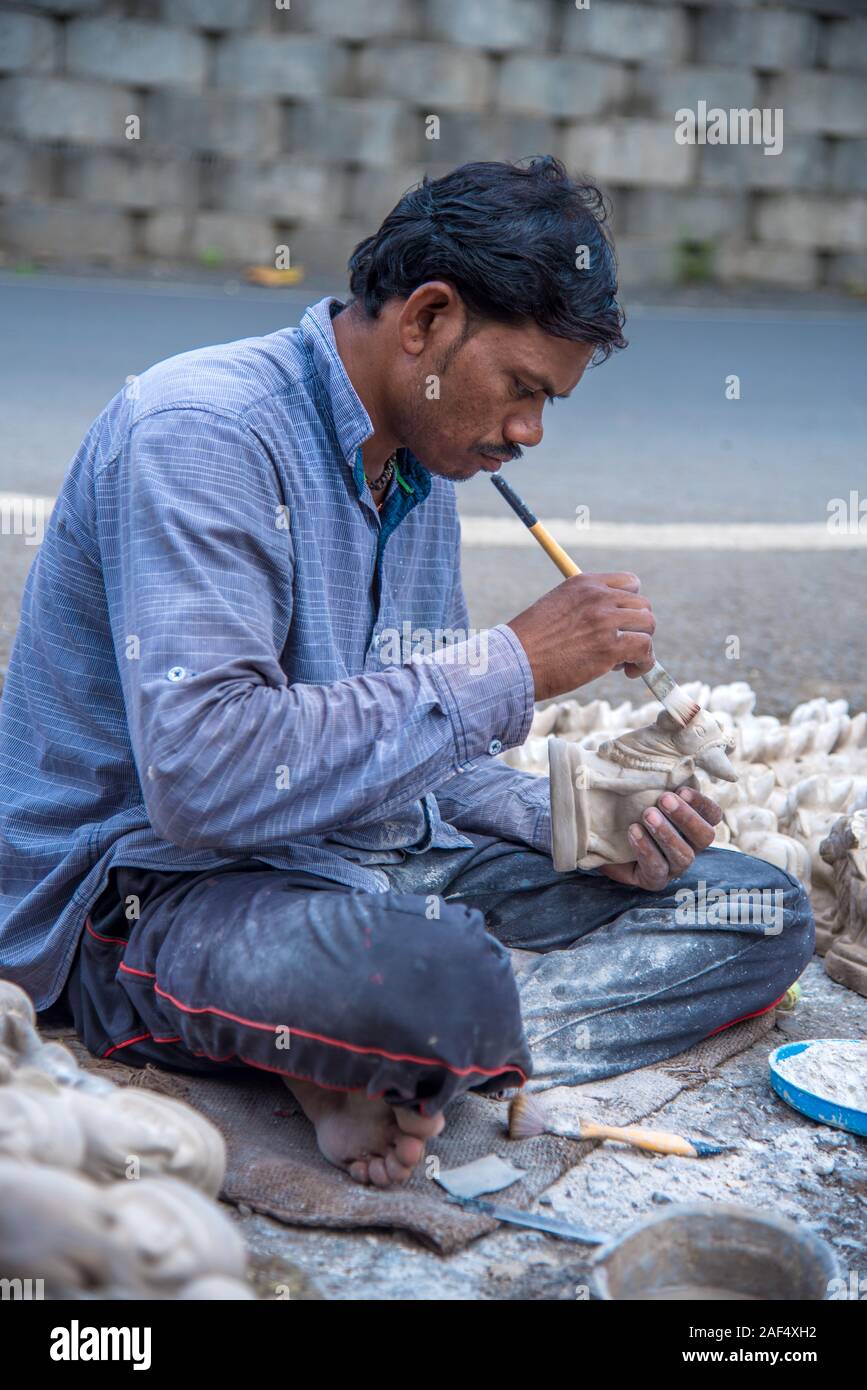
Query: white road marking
[679, 535]
[597, 535]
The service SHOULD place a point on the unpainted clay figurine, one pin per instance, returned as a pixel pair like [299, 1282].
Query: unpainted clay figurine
[57, 1227]
[148, 1236]
[139, 1133]
[597, 795]
[175, 1233]
[38, 1123]
[845, 850]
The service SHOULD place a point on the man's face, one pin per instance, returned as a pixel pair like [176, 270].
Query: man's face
[464, 407]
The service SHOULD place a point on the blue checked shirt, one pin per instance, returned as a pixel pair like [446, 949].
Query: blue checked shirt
[207, 666]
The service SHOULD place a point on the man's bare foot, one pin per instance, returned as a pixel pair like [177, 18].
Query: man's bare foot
[373, 1142]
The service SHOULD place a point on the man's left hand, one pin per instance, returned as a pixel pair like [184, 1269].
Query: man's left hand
[671, 833]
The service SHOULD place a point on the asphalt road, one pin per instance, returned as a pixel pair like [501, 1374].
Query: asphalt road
[648, 437]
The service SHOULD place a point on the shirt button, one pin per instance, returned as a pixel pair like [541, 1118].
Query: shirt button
[177, 673]
[495, 747]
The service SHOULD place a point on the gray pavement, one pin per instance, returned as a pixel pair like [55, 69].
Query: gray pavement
[648, 437]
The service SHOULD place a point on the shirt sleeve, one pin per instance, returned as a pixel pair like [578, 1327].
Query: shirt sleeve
[199, 579]
[487, 796]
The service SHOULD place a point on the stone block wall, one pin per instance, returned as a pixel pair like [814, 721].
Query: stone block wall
[216, 131]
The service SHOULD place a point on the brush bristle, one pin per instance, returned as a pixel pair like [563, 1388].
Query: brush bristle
[526, 1118]
[680, 706]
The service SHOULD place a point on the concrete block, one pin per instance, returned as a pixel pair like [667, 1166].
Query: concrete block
[847, 44]
[292, 190]
[774, 40]
[801, 164]
[28, 43]
[145, 55]
[168, 235]
[374, 192]
[642, 263]
[560, 86]
[636, 153]
[212, 15]
[830, 8]
[473, 135]
[324, 251]
[756, 262]
[236, 237]
[66, 232]
[431, 75]
[343, 130]
[848, 166]
[523, 24]
[848, 271]
[694, 215]
[284, 65]
[662, 91]
[831, 102]
[67, 7]
[212, 123]
[359, 19]
[25, 171]
[814, 222]
[632, 33]
[55, 108]
[126, 180]
[729, 4]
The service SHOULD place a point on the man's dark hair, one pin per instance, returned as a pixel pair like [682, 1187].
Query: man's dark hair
[507, 237]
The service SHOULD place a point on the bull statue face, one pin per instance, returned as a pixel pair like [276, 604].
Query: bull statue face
[704, 741]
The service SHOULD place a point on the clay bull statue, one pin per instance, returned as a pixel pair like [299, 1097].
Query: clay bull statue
[596, 794]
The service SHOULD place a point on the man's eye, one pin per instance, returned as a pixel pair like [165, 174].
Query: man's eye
[524, 390]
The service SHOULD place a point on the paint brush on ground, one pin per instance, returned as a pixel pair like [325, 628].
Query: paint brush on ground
[527, 1118]
[667, 691]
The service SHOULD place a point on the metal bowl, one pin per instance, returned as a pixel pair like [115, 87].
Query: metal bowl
[715, 1251]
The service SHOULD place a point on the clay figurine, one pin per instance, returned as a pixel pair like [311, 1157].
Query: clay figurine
[597, 795]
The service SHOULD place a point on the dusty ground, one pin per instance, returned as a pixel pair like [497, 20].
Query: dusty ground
[811, 1173]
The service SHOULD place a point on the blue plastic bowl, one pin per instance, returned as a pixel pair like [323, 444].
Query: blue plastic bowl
[827, 1112]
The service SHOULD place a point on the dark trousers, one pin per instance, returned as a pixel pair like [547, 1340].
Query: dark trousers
[413, 994]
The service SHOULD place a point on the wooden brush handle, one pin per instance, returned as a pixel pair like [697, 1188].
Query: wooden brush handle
[565, 564]
[657, 1141]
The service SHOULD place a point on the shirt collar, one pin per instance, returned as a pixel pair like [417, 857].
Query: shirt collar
[352, 423]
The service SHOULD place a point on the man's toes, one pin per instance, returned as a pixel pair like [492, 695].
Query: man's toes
[395, 1169]
[378, 1172]
[423, 1126]
[407, 1150]
[358, 1171]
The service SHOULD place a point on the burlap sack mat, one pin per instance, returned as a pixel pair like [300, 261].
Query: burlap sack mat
[275, 1167]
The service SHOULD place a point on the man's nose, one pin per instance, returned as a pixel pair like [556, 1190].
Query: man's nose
[524, 429]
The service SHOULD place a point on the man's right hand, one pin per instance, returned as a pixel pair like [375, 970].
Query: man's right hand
[587, 626]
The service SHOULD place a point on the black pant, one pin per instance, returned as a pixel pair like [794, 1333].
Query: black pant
[411, 994]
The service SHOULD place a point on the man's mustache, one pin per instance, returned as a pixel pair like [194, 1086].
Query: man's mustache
[496, 451]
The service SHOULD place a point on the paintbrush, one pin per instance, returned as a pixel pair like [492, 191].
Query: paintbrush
[678, 704]
[527, 1118]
